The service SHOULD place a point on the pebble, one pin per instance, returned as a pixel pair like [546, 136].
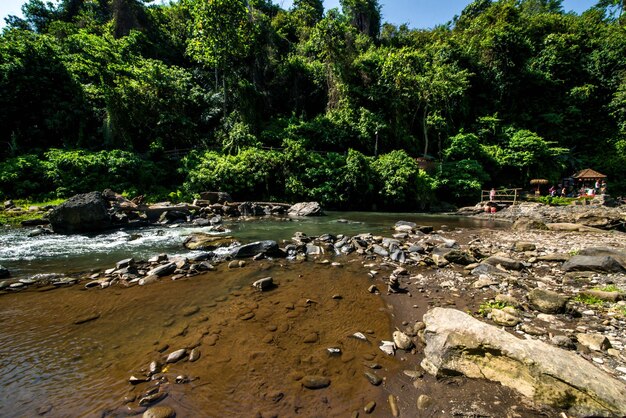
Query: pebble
[402, 341]
[315, 382]
[369, 408]
[175, 356]
[393, 406]
[373, 378]
[194, 355]
[388, 347]
[424, 402]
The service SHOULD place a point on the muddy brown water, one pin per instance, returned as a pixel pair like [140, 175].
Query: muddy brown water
[255, 347]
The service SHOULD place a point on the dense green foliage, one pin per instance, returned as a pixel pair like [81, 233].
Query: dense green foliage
[303, 104]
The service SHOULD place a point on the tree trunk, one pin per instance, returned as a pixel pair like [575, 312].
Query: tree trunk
[425, 128]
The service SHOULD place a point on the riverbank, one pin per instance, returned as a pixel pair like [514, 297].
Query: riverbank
[260, 350]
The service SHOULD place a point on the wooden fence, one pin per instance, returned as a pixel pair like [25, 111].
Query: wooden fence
[511, 196]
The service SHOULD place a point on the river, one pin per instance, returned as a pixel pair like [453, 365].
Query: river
[255, 347]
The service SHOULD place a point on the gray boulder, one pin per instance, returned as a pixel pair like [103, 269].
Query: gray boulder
[81, 213]
[603, 264]
[618, 255]
[458, 343]
[507, 263]
[268, 247]
[459, 257]
[547, 301]
[305, 209]
[528, 224]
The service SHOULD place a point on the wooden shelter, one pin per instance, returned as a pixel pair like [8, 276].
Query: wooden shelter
[590, 182]
[589, 175]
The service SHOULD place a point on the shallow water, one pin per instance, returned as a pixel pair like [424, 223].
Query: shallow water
[60, 254]
[253, 345]
[247, 365]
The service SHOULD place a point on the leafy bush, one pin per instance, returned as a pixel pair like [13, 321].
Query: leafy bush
[22, 177]
[252, 174]
[461, 181]
[402, 183]
[80, 171]
[555, 200]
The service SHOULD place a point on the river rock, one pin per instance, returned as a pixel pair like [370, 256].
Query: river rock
[424, 402]
[603, 264]
[571, 227]
[207, 242]
[175, 356]
[547, 301]
[373, 378]
[596, 342]
[81, 213]
[402, 341]
[315, 382]
[163, 270]
[458, 343]
[522, 246]
[602, 295]
[459, 257]
[268, 247]
[507, 263]
[618, 255]
[305, 209]
[504, 317]
[160, 411]
[528, 224]
[4, 272]
[266, 283]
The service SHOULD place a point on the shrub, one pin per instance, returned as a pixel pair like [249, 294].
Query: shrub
[23, 177]
[80, 171]
[251, 174]
[401, 182]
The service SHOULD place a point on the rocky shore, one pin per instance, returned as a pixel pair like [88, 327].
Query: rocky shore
[520, 322]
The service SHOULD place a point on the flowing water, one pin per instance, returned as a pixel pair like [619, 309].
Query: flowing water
[24, 255]
[255, 347]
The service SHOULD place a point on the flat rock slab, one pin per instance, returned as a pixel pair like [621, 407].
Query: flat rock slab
[458, 343]
[602, 264]
[305, 209]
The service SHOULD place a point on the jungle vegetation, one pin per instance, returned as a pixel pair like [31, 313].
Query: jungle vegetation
[308, 104]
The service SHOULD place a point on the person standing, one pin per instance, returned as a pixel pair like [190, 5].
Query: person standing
[492, 194]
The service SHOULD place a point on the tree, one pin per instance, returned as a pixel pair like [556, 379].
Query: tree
[221, 34]
[428, 83]
[364, 15]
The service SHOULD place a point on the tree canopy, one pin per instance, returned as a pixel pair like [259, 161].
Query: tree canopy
[338, 102]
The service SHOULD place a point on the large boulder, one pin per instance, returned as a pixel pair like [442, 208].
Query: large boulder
[81, 213]
[458, 343]
[305, 209]
[547, 301]
[269, 248]
[617, 254]
[602, 264]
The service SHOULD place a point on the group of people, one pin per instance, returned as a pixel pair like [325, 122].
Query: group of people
[561, 191]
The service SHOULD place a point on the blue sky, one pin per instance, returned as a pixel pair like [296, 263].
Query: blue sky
[417, 13]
